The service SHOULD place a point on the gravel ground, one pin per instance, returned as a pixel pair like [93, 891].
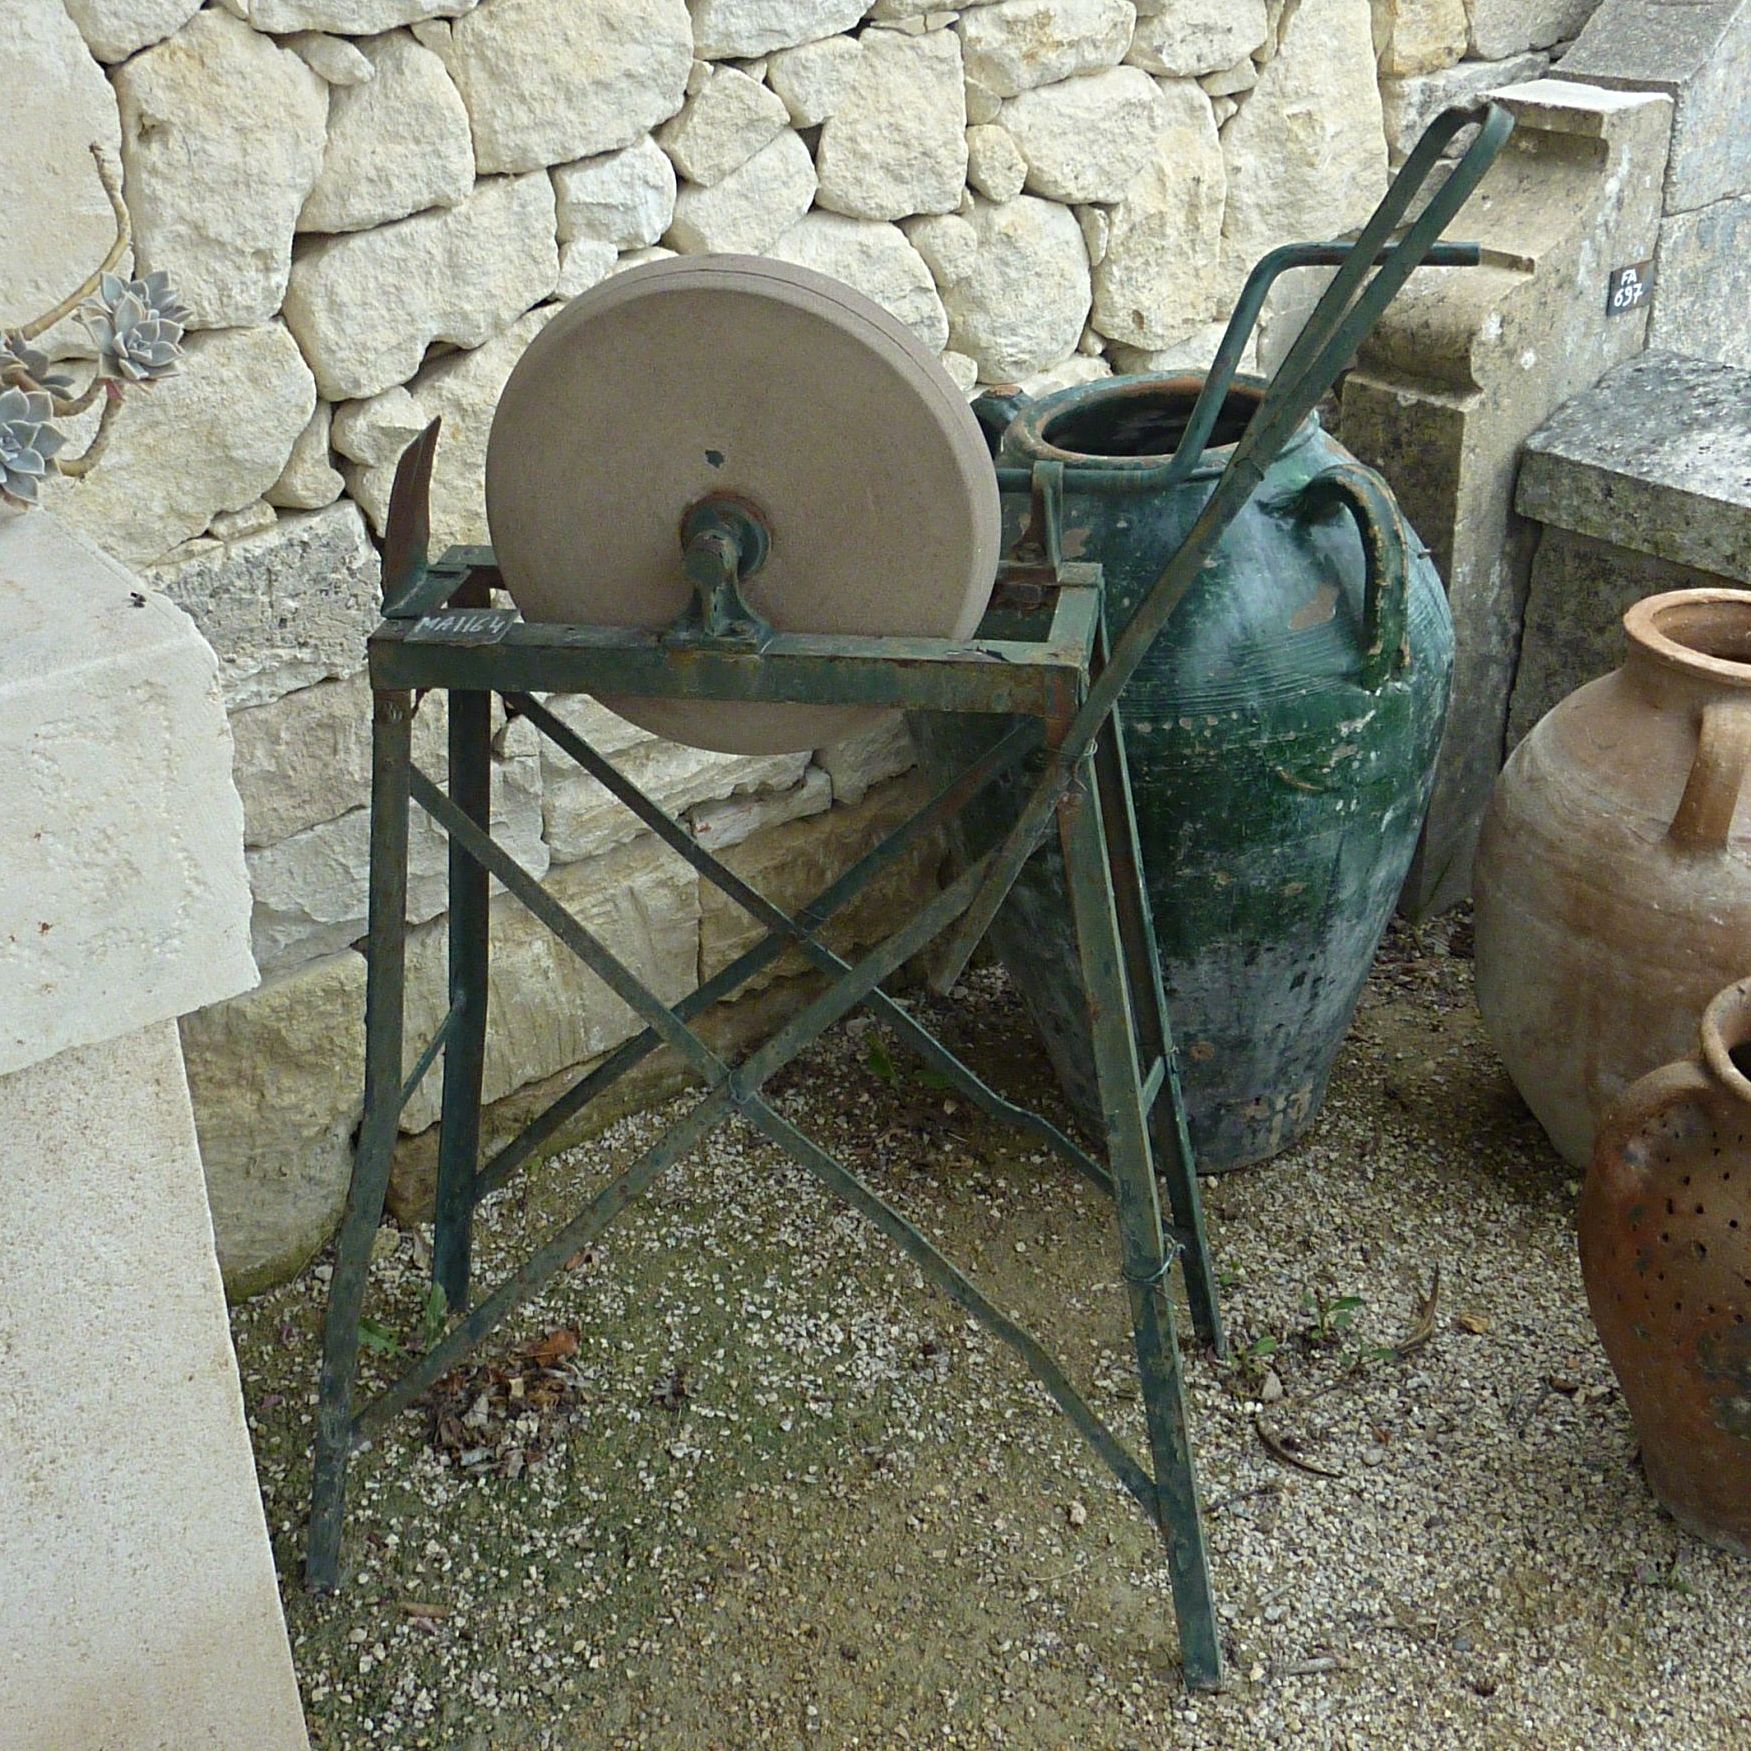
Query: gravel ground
[740, 1479]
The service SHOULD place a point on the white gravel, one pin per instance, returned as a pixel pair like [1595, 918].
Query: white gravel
[859, 1523]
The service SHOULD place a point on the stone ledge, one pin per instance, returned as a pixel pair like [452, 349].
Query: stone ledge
[1656, 457]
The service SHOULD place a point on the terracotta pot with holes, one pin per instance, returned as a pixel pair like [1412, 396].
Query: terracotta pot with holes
[1665, 1231]
[1613, 875]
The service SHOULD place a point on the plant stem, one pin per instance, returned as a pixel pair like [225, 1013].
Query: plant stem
[124, 235]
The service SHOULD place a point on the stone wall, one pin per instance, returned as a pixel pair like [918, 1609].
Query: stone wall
[372, 205]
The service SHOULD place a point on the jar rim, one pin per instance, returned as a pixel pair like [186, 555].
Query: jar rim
[1703, 633]
[1726, 1027]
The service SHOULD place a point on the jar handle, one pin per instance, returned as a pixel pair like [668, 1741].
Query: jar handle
[1704, 821]
[1385, 556]
[1645, 1101]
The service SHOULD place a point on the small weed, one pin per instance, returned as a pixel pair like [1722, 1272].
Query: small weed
[1331, 1317]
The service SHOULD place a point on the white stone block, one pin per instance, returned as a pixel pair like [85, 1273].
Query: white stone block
[311, 890]
[1019, 44]
[547, 81]
[1186, 38]
[55, 220]
[287, 608]
[874, 259]
[881, 752]
[583, 820]
[116, 29]
[309, 480]
[222, 136]
[896, 144]
[727, 30]
[583, 263]
[719, 825]
[626, 198]
[1020, 303]
[751, 208]
[212, 438]
[1156, 280]
[123, 836]
[397, 144]
[1085, 139]
[333, 59]
[141, 1609]
[354, 17]
[376, 430]
[722, 126]
[812, 79]
[365, 306]
[995, 166]
[546, 1010]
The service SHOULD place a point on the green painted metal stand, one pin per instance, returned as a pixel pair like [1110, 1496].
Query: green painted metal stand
[1032, 661]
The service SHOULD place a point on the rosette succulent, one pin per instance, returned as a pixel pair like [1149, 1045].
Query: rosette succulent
[28, 442]
[19, 357]
[137, 326]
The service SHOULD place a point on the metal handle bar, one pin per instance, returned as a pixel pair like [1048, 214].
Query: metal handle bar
[1343, 315]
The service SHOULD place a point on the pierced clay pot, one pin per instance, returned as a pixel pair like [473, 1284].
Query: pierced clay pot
[1665, 1229]
[1613, 882]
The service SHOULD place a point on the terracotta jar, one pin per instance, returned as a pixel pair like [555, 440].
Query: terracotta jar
[1613, 882]
[1665, 1230]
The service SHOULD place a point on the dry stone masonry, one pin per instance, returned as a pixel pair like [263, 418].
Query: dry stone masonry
[373, 205]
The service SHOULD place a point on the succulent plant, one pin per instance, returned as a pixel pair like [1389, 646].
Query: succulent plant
[138, 327]
[17, 354]
[28, 441]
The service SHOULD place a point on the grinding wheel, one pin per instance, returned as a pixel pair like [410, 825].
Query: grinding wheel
[733, 374]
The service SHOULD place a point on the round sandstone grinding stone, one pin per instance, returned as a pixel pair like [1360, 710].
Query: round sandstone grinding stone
[735, 374]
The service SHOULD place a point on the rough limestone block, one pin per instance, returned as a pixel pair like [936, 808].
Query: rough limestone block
[55, 220]
[1019, 44]
[306, 758]
[897, 142]
[1409, 105]
[141, 1603]
[995, 166]
[277, 1077]
[792, 863]
[547, 81]
[1084, 139]
[1655, 457]
[723, 124]
[812, 79]
[1463, 369]
[1580, 590]
[1195, 354]
[222, 136]
[212, 438]
[1507, 27]
[333, 59]
[123, 833]
[116, 29]
[1699, 55]
[1067, 374]
[626, 198]
[355, 17]
[462, 390]
[366, 305]
[376, 430]
[583, 820]
[310, 890]
[546, 1011]
[1014, 279]
[309, 480]
[1155, 281]
[874, 259]
[1704, 287]
[1306, 155]
[749, 209]
[881, 752]
[396, 144]
[1186, 38]
[1419, 36]
[719, 825]
[731, 29]
[286, 608]
[583, 263]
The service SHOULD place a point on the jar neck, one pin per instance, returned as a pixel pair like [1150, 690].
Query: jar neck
[1690, 647]
[1726, 1039]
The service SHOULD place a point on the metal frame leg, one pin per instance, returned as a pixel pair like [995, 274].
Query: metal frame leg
[391, 761]
[1147, 1262]
[465, 1045]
